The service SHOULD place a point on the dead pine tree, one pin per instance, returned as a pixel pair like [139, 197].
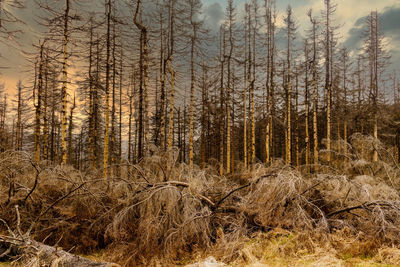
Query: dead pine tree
[345, 66]
[92, 100]
[307, 102]
[37, 93]
[230, 21]
[254, 29]
[290, 32]
[315, 97]
[171, 72]
[251, 71]
[222, 47]
[64, 89]
[245, 65]
[377, 58]
[162, 113]
[194, 9]
[329, 44]
[70, 131]
[45, 149]
[21, 113]
[205, 109]
[269, 82]
[107, 92]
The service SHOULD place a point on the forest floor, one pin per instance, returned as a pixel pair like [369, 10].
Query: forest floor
[163, 213]
[281, 248]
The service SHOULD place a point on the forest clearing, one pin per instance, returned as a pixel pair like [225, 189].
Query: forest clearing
[199, 133]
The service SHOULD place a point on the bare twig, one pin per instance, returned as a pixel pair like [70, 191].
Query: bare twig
[52, 205]
[36, 180]
[19, 222]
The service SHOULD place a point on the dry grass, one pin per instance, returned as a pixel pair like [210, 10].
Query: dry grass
[283, 248]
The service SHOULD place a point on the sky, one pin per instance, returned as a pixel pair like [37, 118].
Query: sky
[349, 17]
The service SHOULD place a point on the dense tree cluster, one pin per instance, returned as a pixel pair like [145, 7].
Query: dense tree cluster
[110, 83]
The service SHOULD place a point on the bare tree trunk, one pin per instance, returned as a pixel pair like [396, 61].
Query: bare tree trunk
[64, 92]
[288, 89]
[38, 106]
[121, 69]
[172, 73]
[315, 91]
[245, 157]
[18, 137]
[113, 143]
[222, 101]
[307, 107]
[92, 155]
[397, 148]
[45, 121]
[203, 116]
[70, 129]
[192, 80]
[296, 131]
[163, 114]
[107, 104]
[228, 88]
[252, 89]
[328, 83]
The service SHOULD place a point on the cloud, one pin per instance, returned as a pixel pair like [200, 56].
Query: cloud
[213, 14]
[389, 19]
[355, 34]
[389, 27]
[390, 24]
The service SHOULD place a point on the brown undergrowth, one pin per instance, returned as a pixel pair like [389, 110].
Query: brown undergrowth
[159, 211]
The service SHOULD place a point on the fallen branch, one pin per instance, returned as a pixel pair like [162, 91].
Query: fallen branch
[44, 255]
[364, 206]
[32, 253]
[36, 180]
[242, 187]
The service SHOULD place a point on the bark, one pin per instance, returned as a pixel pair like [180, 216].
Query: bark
[172, 74]
[107, 104]
[113, 143]
[64, 92]
[70, 129]
[296, 131]
[48, 255]
[222, 100]
[121, 69]
[38, 106]
[203, 117]
[252, 89]
[288, 89]
[19, 130]
[269, 79]
[307, 107]
[398, 145]
[45, 120]
[245, 158]
[315, 91]
[328, 84]
[192, 80]
[162, 84]
[228, 88]
[92, 156]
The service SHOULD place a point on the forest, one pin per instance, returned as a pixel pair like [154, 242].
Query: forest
[150, 133]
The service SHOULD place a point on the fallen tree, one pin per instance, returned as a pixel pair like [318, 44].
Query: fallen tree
[24, 251]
